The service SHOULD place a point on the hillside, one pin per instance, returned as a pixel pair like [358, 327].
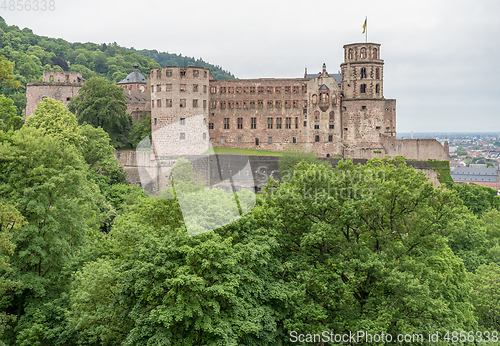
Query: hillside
[32, 54]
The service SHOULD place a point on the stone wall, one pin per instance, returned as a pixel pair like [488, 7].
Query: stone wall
[214, 169]
[415, 149]
[36, 92]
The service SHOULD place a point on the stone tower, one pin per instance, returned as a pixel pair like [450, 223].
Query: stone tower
[367, 117]
[179, 110]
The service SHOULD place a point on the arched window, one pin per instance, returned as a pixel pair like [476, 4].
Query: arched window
[363, 72]
[332, 116]
[377, 73]
[377, 88]
[314, 99]
[363, 53]
[350, 53]
[375, 53]
[316, 116]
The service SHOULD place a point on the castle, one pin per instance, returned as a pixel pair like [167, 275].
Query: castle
[334, 115]
[342, 114]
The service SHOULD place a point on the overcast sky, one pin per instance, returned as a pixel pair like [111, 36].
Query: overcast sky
[441, 57]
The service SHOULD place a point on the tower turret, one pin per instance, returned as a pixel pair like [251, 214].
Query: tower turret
[362, 71]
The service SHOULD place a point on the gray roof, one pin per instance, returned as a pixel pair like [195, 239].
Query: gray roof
[323, 87]
[337, 77]
[134, 77]
[474, 174]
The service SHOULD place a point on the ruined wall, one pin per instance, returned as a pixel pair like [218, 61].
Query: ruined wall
[272, 114]
[36, 92]
[415, 149]
[212, 169]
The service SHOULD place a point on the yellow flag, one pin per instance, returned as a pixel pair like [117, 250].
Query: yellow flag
[364, 26]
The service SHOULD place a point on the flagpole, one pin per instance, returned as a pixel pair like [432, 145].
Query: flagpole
[366, 36]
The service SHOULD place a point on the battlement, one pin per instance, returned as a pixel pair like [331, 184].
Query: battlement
[62, 77]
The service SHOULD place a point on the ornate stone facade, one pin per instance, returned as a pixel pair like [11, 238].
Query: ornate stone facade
[331, 114]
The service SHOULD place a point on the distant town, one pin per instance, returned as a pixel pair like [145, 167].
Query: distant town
[474, 157]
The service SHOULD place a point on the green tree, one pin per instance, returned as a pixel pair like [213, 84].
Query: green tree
[54, 119]
[477, 198]
[140, 129]
[486, 295]
[9, 120]
[364, 248]
[291, 157]
[46, 178]
[6, 76]
[102, 104]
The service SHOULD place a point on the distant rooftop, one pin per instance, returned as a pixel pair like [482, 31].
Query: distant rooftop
[477, 174]
[134, 77]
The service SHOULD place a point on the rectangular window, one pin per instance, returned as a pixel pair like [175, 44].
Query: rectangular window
[222, 104]
[168, 87]
[252, 104]
[238, 90]
[210, 126]
[277, 90]
[152, 103]
[316, 127]
[245, 90]
[253, 124]
[205, 89]
[182, 121]
[294, 140]
[330, 138]
[316, 138]
[377, 128]
[239, 140]
[252, 90]
[256, 141]
[295, 89]
[196, 73]
[304, 88]
[158, 73]
[269, 104]
[222, 141]
[270, 140]
[205, 73]
[269, 123]
[169, 73]
[288, 123]
[363, 88]
[304, 111]
[331, 127]
[295, 104]
[213, 104]
[204, 104]
[195, 88]
[168, 102]
[182, 103]
[269, 90]
[260, 90]
[158, 103]
[213, 90]
[230, 104]
[287, 90]
[204, 135]
[195, 103]
[183, 87]
[305, 123]
[278, 123]
[226, 123]
[288, 104]
[240, 123]
[158, 88]
[222, 90]
[277, 104]
[245, 105]
[183, 135]
[296, 123]
[155, 122]
[260, 104]
[183, 73]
